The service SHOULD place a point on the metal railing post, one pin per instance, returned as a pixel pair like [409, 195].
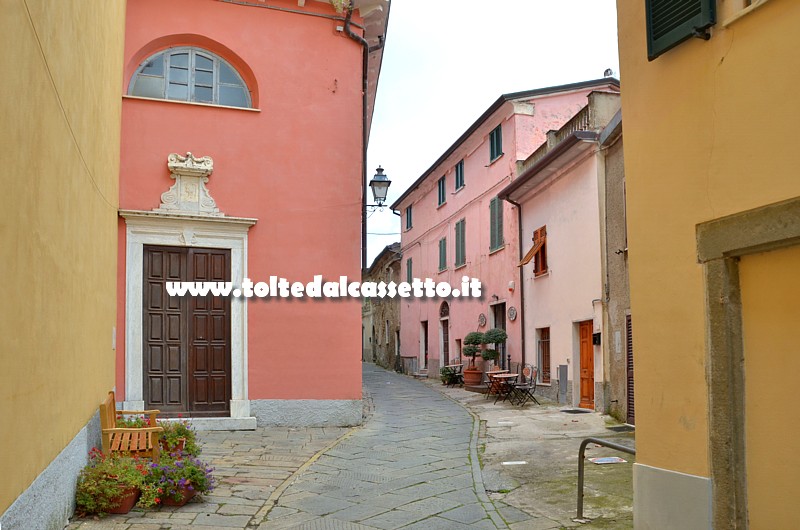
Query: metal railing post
[581, 451]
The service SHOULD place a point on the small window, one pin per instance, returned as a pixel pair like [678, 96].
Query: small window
[495, 143]
[460, 175]
[443, 254]
[538, 252]
[409, 220]
[544, 354]
[190, 74]
[495, 224]
[386, 332]
[409, 272]
[442, 191]
[670, 22]
[461, 254]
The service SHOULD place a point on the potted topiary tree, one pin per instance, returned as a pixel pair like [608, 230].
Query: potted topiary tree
[494, 336]
[472, 346]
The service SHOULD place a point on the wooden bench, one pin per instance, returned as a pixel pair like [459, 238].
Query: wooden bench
[140, 441]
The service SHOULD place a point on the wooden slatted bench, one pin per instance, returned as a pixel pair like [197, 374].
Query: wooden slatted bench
[141, 441]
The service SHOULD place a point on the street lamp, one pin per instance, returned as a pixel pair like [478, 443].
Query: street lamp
[380, 188]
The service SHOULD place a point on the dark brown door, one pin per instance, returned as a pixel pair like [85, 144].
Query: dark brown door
[425, 344]
[629, 354]
[499, 315]
[187, 361]
[587, 365]
[446, 341]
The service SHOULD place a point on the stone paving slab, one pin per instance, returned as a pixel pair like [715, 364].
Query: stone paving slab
[250, 466]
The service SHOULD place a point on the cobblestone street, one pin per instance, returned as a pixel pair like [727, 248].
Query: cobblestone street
[413, 464]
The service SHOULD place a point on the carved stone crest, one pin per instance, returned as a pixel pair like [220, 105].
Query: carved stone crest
[189, 195]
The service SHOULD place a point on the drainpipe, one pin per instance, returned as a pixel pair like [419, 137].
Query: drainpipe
[521, 312]
[365, 63]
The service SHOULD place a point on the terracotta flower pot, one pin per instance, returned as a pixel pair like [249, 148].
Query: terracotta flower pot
[472, 377]
[175, 448]
[186, 496]
[127, 500]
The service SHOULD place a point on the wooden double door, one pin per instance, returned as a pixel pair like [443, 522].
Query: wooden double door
[186, 339]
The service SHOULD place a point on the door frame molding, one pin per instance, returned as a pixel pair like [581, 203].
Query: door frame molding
[150, 228]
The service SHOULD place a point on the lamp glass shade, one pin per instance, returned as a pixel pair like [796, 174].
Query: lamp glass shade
[380, 186]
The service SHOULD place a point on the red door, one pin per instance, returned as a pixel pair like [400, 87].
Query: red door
[587, 365]
[187, 356]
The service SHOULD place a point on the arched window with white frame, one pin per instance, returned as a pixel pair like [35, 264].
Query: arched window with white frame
[190, 74]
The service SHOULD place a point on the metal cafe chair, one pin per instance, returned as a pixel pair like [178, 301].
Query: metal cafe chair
[523, 392]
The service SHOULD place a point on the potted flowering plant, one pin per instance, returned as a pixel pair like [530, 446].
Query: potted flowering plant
[179, 436]
[181, 478]
[113, 484]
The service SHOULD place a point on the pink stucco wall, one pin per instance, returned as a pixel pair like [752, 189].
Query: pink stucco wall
[525, 125]
[568, 204]
[294, 165]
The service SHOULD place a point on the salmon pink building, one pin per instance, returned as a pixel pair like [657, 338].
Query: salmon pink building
[454, 225]
[244, 126]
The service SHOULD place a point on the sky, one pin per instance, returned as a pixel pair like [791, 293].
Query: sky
[445, 62]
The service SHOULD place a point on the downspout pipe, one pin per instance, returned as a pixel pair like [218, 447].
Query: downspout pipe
[366, 50]
[521, 312]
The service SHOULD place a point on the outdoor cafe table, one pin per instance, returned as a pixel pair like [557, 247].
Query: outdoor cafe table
[503, 384]
[493, 383]
[451, 372]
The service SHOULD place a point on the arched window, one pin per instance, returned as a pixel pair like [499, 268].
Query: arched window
[190, 74]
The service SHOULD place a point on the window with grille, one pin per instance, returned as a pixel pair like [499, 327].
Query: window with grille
[495, 224]
[190, 74]
[461, 245]
[544, 354]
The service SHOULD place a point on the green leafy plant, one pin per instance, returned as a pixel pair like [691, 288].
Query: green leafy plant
[472, 343]
[173, 474]
[490, 355]
[106, 478]
[174, 431]
[496, 336]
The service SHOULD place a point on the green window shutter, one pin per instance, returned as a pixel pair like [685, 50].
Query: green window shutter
[409, 273]
[461, 257]
[499, 222]
[442, 254]
[670, 22]
[409, 220]
[495, 224]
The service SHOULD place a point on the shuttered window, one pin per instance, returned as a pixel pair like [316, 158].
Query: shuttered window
[670, 22]
[495, 224]
[460, 175]
[409, 220]
[495, 143]
[409, 271]
[443, 254]
[442, 191]
[538, 252]
[544, 354]
[461, 254]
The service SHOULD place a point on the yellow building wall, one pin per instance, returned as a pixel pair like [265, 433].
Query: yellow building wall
[60, 113]
[770, 286]
[709, 131]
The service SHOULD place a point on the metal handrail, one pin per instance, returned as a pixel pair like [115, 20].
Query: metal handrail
[582, 450]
